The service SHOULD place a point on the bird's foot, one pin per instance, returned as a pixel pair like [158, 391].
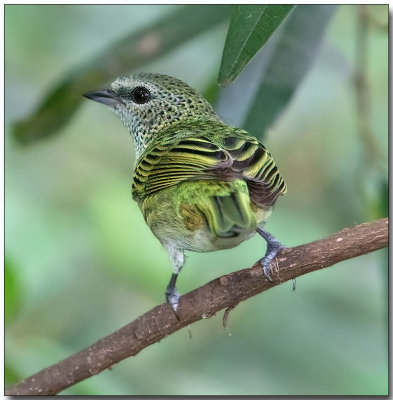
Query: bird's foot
[266, 261]
[172, 298]
[273, 247]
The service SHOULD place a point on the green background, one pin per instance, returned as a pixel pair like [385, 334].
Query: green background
[80, 261]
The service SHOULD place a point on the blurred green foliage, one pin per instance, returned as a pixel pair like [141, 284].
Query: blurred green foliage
[81, 262]
[12, 291]
[131, 51]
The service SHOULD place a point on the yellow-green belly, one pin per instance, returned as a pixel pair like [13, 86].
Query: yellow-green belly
[184, 215]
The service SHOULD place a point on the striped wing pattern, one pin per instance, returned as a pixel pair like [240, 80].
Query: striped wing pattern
[196, 158]
[253, 162]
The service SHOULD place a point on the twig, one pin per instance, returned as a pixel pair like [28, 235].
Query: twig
[226, 315]
[203, 302]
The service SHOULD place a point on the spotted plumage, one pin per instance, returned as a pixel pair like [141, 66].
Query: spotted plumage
[201, 185]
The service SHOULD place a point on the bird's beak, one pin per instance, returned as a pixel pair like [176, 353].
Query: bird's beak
[104, 96]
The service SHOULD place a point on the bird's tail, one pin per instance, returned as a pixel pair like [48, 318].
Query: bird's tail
[228, 215]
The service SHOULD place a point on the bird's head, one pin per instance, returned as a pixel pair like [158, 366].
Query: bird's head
[148, 104]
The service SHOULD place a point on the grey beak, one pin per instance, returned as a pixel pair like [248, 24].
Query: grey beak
[103, 96]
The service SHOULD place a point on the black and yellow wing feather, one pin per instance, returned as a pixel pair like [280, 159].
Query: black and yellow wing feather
[226, 156]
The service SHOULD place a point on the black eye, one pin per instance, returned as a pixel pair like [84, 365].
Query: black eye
[141, 95]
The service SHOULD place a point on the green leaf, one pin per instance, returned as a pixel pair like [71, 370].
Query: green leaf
[131, 52]
[249, 29]
[294, 47]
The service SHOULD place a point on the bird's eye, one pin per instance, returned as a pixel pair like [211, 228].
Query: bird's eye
[141, 95]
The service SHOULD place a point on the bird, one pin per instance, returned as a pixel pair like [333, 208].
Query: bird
[200, 184]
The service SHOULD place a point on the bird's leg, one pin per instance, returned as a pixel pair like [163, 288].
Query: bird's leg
[273, 247]
[172, 295]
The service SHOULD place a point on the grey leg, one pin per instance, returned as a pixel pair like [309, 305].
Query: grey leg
[273, 247]
[172, 295]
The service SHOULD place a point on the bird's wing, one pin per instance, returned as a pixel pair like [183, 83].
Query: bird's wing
[195, 158]
[253, 162]
[168, 164]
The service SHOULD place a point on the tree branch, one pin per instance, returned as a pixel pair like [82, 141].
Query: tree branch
[206, 301]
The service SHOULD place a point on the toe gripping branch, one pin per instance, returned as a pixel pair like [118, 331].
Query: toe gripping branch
[273, 247]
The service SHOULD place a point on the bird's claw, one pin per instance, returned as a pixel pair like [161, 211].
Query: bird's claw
[172, 298]
[265, 263]
[273, 247]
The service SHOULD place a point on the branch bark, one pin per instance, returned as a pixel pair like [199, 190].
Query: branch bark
[206, 301]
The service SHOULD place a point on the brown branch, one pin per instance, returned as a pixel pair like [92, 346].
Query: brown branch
[206, 301]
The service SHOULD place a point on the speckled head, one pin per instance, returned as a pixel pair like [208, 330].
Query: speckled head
[150, 103]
